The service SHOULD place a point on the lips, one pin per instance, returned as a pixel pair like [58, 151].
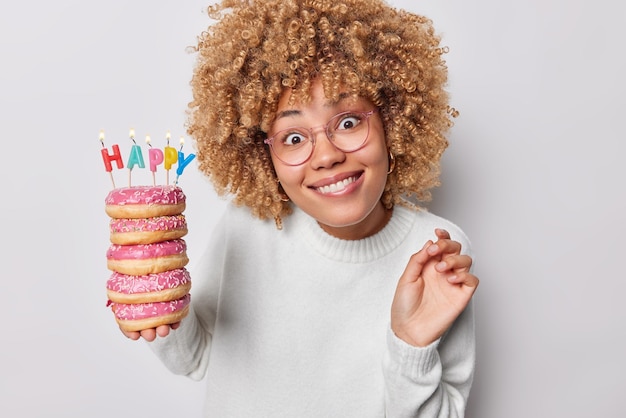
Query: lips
[336, 186]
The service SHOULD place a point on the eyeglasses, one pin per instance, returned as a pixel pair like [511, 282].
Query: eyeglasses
[347, 131]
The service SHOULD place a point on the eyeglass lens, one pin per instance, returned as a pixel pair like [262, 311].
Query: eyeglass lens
[348, 132]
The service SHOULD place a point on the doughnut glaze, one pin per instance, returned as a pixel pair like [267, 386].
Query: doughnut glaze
[134, 311]
[139, 316]
[145, 201]
[129, 231]
[155, 287]
[141, 259]
[145, 195]
[142, 251]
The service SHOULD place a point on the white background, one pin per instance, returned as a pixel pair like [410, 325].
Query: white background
[534, 174]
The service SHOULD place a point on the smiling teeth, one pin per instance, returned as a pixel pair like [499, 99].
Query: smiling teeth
[336, 187]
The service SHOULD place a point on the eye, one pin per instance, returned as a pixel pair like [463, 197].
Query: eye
[293, 138]
[348, 122]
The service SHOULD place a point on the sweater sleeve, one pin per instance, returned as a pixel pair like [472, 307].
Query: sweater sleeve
[431, 381]
[185, 351]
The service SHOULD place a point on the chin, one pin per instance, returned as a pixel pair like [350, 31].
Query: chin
[341, 220]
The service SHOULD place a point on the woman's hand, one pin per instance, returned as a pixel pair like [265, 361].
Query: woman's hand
[434, 289]
[150, 334]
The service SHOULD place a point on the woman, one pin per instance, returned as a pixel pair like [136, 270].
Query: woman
[324, 291]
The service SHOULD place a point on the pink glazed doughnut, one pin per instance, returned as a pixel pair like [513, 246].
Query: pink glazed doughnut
[155, 287]
[145, 201]
[130, 231]
[140, 316]
[142, 259]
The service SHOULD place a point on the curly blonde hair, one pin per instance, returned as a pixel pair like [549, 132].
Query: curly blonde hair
[257, 48]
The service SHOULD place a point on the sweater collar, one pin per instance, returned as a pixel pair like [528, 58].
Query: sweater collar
[353, 251]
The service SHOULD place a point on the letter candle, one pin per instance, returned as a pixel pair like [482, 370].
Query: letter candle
[182, 161]
[170, 157]
[135, 158]
[106, 157]
[155, 156]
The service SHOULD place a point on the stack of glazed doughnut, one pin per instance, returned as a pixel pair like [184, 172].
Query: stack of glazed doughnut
[149, 285]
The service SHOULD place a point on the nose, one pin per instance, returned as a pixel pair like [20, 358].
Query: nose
[325, 154]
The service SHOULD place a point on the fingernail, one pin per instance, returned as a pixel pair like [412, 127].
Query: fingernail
[433, 249]
[441, 265]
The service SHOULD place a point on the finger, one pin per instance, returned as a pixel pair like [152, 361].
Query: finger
[454, 262]
[163, 330]
[464, 278]
[133, 335]
[442, 233]
[445, 246]
[149, 334]
[448, 246]
[415, 265]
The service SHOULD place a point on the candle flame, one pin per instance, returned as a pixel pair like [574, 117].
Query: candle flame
[101, 137]
[132, 133]
[182, 141]
[168, 135]
[148, 140]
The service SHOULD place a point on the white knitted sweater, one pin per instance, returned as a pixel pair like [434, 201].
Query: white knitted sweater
[295, 323]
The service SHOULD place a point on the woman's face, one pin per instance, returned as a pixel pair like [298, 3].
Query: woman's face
[341, 190]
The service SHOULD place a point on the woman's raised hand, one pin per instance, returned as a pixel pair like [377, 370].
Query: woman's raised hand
[434, 289]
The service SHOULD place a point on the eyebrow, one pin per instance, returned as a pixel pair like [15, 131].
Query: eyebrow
[286, 113]
[292, 112]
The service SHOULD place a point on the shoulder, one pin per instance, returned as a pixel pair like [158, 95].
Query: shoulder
[430, 221]
[238, 222]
